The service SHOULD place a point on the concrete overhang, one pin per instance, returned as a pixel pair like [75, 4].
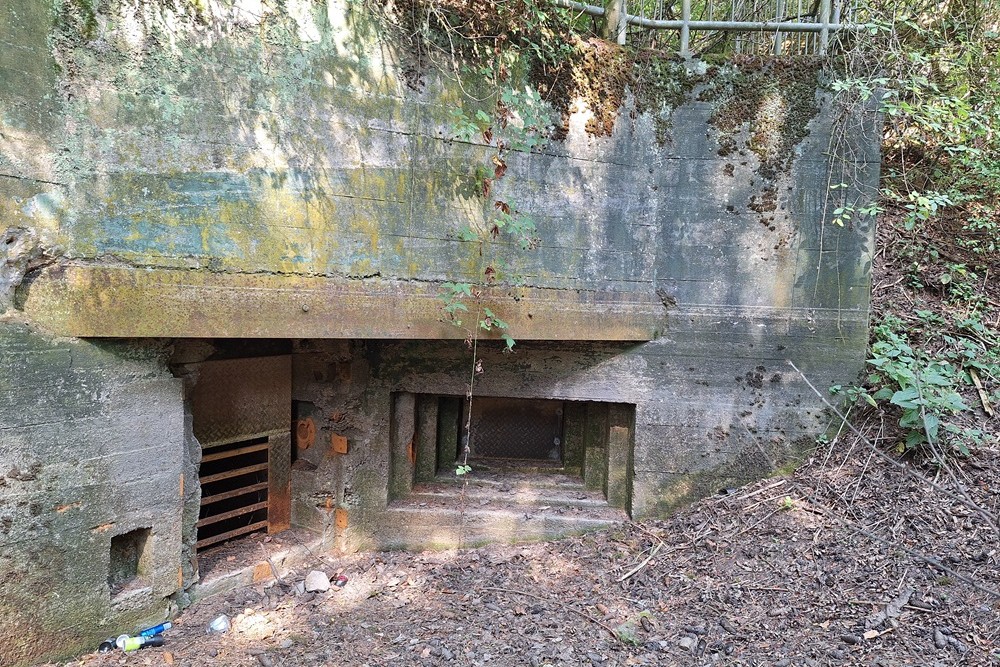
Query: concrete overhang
[94, 301]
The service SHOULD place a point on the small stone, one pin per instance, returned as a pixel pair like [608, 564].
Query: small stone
[287, 643]
[446, 654]
[264, 660]
[850, 639]
[687, 642]
[212, 652]
[300, 587]
[317, 582]
[940, 641]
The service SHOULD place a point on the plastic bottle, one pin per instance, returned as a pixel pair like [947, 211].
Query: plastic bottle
[136, 643]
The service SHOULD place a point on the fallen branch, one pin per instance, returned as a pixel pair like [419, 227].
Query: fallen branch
[983, 398]
[641, 565]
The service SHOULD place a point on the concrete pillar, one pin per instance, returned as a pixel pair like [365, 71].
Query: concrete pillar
[404, 453]
[619, 474]
[449, 414]
[427, 420]
[595, 442]
[574, 430]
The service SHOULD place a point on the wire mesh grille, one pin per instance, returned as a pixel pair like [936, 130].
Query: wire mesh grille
[508, 428]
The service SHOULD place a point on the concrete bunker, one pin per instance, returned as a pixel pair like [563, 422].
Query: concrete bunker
[183, 238]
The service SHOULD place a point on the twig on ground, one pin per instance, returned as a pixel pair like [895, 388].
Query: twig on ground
[644, 563]
[957, 495]
[267, 557]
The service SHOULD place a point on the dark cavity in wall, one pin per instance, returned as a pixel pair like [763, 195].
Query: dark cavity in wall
[589, 441]
[513, 429]
[130, 560]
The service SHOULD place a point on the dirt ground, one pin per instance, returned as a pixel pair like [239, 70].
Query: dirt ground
[851, 560]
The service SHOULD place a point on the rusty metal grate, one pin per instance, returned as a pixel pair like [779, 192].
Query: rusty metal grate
[242, 418]
[512, 428]
[234, 491]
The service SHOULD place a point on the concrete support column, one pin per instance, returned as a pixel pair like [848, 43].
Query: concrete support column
[404, 452]
[595, 471]
[449, 414]
[620, 429]
[427, 420]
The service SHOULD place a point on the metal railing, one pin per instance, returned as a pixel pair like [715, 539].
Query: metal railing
[754, 26]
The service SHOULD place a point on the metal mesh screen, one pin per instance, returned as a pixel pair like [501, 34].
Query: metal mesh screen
[511, 428]
[743, 11]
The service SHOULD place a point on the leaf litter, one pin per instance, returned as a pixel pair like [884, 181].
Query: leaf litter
[843, 562]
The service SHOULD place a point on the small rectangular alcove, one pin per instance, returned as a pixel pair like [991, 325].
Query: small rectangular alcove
[130, 563]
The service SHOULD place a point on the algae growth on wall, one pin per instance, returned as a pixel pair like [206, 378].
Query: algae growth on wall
[242, 170]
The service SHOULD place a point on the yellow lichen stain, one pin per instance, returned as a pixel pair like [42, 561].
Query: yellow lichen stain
[783, 279]
[204, 233]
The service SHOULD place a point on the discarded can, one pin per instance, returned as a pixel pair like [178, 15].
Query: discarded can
[156, 629]
[219, 625]
[136, 643]
[339, 581]
[107, 645]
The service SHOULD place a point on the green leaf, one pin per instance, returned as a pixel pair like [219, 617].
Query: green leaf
[906, 398]
[883, 394]
[915, 438]
[931, 425]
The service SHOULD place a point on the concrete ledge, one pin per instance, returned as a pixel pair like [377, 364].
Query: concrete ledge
[126, 302]
[247, 572]
[417, 528]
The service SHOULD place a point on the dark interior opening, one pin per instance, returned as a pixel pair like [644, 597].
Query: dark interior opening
[129, 560]
[516, 429]
[234, 487]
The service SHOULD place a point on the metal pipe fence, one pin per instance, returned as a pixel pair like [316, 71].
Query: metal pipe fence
[779, 27]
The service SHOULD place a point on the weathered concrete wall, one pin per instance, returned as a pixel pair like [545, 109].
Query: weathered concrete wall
[151, 148]
[90, 449]
[233, 169]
